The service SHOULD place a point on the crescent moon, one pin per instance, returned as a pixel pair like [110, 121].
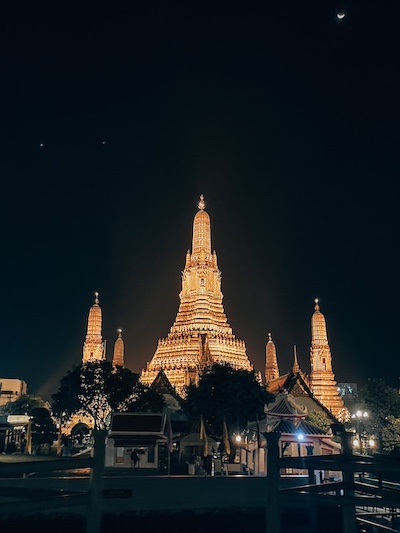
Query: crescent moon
[340, 16]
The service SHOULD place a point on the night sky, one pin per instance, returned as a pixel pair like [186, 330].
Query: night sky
[114, 121]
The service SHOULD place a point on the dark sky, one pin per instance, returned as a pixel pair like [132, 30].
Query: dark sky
[284, 117]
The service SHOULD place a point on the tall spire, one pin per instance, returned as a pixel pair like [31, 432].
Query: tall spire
[318, 326]
[201, 297]
[201, 334]
[295, 367]
[322, 378]
[118, 357]
[201, 243]
[271, 361]
[93, 348]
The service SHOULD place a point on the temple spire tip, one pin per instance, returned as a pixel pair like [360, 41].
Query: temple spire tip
[96, 297]
[295, 367]
[201, 205]
[316, 304]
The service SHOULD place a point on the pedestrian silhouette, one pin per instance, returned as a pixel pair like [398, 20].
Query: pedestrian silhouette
[134, 459]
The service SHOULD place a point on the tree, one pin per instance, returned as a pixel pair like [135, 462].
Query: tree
[24, 405]
[65, 402]
[382, 403]
[96, 389]
[43, 428]
[319, 419]
[391, 434]
[226, 393]
[146, 400]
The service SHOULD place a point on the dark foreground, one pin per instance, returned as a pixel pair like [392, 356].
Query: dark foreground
[325, 520]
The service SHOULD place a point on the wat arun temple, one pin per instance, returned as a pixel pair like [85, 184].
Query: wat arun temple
[201, 334]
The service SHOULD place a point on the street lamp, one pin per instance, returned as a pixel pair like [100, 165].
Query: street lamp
[300, 438]
[243, 442]
[358, 416]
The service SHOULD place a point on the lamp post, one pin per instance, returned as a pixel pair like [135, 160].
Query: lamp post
[358, 416]
[242, 442]
[300, 438]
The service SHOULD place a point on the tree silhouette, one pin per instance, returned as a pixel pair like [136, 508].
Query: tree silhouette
[382, 402]
[224, 392]
[98, 388]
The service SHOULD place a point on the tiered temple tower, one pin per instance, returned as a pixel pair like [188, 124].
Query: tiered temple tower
[118, 357]
[271, 362]
[322, 378]
[93, 347]
[200, 334]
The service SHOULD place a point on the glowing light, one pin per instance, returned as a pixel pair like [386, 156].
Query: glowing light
[340, 16]
[300, 436]
[238, 438]
[360, 414]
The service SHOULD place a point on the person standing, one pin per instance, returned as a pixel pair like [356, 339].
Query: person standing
[134, 459]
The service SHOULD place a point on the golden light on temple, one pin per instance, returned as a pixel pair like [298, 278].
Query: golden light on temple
[271, 361]
[322, 378]
[200, 334]
[93, 348]
[119, 348]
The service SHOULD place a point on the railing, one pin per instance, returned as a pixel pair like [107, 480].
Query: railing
[33, 500]
[348, 493]
[360, 501]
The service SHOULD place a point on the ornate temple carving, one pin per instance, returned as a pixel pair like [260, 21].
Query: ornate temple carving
[93, 347]
[200, 334]
[322, 378]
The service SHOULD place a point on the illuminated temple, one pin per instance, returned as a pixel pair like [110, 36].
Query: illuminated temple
[200, 334]
[94, 348]
[321, 383]
[322, 378]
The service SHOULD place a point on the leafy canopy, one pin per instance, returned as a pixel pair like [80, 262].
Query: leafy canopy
[43, 428]
[319, 419]
[99, 388]
[224, 392]
[24, 405]
[382, 402]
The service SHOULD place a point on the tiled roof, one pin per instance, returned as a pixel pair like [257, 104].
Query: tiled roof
[284, 408]
[287, 426]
